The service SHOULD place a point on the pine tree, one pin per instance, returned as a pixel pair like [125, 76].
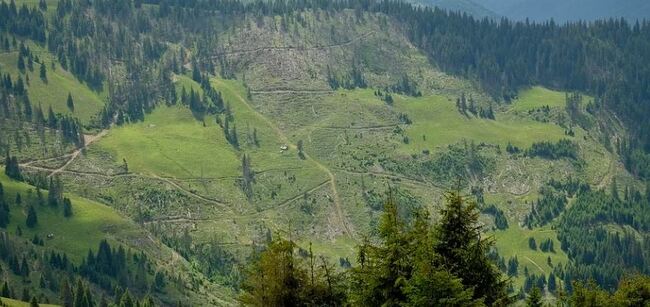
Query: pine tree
[12, 168]
[430, 284]
[33, 302]
[301, 154]
[126, 300]
[32, 218]
[43, 73]
[534, 298]
[464, 253]
[24, 270]
[6, 292]
[4, 214]
[79, 295]
[67, 207]
[21, 64]
[70, 102]
[66, 295]
[377, 280]
[26, 296]
[274, 279]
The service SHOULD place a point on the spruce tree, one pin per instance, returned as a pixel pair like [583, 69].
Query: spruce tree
[66, 295]
[464, 252]
[274, 278]
[534, 298]
[67, 207]
[6, 292]
[43, 73]
[32, 218]
[4, 214]
[21, 64]
[70, 102]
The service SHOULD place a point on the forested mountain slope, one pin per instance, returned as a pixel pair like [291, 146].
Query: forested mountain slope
[211, 128]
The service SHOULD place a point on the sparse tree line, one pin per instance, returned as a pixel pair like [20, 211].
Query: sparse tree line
[30, 202]
[465, 105]
[17, 112]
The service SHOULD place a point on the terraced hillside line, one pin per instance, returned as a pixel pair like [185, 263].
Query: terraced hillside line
[289, 91]
[287, 201]
[372, 127]
[45, 160]
[219, 203]
[535, 263]
[88, 139]
[297, 48]
[193, 194]
[396, 177]
[285, 139]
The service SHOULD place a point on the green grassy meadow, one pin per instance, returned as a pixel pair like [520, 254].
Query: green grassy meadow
[91, 222]
[54, 91]
[537, 97]
[514, 242]
[16, 303]
[437, 122]
[170, 142]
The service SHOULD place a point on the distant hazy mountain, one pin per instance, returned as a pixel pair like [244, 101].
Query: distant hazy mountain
[568, 10]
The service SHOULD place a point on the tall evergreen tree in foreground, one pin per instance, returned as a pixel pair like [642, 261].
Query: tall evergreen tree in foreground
[278, 277]
[413, 263]
[465, 253]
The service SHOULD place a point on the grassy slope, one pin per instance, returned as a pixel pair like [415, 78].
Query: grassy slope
[514, 242]
[185, 148]
[16, 303]
[537, 97]
[163, 142]
[437, 118]
[172, 142]
[90, 223]
[59, 83]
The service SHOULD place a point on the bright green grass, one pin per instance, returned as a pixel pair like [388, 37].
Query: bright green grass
[514, 241]
[268, 155]
[437, 118]
[51, 4]
[342, 247]
[171, 142]
[182, 81]
[537, 97]
[16, 303]
[54, 92]
[91, 222]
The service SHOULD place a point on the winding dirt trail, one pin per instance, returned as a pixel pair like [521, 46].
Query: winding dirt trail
[285, 139]
[535, 263]
[191, 193]
[88, 139]
[62, 169]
